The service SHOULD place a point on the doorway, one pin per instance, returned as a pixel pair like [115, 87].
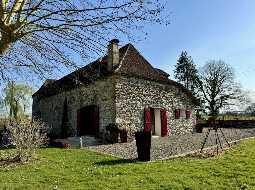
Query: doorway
[88, 121]
[155, 121]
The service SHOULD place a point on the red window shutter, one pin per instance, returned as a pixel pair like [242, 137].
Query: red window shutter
[177, 113]
[163, 116]
[147, 120]
[188, 114]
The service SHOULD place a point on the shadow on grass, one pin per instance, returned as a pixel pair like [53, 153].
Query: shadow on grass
[7, 147]
[115, 162]
[9, 161]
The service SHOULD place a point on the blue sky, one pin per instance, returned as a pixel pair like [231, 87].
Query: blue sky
[206, 29]
[218, 29]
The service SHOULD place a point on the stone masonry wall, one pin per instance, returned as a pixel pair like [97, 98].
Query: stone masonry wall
[133, 94]
[120, 99]
[100, 93]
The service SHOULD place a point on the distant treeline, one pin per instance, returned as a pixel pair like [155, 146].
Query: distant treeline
[228, 123]
[232, 117]
[236, 117]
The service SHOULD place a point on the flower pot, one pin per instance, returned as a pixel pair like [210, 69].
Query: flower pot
[199, 128]
[114, 136]
[123, 136]
[143, 144]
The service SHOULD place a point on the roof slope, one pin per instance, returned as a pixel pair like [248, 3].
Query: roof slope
[82, 76]
[132, 63]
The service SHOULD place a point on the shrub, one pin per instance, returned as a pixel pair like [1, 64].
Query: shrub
[27, 136]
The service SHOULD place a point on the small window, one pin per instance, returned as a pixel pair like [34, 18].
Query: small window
[182, 113]
[177, 113]
[188, 114]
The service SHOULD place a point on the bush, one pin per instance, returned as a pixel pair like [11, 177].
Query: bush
[27, 136]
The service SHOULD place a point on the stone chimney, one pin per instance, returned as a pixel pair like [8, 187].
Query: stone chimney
[113, 54]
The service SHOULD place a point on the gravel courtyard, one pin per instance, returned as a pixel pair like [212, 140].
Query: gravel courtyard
[163, 148]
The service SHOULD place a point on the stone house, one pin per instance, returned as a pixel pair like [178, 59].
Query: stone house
[121, 87]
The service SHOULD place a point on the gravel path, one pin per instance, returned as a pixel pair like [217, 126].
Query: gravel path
[163, 148]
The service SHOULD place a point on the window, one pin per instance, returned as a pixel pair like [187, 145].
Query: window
[188, 114]
[177, 113]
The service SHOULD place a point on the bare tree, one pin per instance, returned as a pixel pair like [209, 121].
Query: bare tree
[217, 86]
[218, 89]
[27, 136]
[38, 35]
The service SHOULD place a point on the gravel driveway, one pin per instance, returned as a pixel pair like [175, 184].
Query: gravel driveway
[163, 148]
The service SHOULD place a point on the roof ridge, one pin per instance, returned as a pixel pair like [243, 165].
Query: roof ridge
[140, 54]
[120, 64]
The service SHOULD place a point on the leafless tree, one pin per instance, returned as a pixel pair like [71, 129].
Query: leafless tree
[39, 35]
[27, 136]
[217, 86]
[218, 89]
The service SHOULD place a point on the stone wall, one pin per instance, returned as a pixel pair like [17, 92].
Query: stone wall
[133, 94]
[100, 93]
[120, 99]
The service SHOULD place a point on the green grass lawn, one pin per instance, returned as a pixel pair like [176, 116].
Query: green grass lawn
[80, 169]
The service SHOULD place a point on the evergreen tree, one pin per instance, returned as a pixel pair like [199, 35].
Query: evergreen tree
[186, 72]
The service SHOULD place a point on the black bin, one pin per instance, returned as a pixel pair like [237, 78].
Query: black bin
[143, 144]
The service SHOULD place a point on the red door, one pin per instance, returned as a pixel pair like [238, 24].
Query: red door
[163, 116]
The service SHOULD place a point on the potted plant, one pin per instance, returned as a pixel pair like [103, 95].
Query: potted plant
[199, 127]
[114, 132]
[123, 134]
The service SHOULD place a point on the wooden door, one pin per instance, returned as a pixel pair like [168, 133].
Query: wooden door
[88, 121]
[163, 115]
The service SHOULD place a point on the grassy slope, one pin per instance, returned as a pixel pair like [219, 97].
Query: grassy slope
[80, 169]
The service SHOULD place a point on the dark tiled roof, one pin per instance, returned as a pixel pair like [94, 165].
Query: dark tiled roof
[82, 76]
[132, 63]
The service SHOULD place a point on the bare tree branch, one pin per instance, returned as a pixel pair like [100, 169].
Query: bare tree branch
[44, 33]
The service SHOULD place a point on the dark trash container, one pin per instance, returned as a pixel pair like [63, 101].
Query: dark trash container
[143, 144]
[114, 136]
